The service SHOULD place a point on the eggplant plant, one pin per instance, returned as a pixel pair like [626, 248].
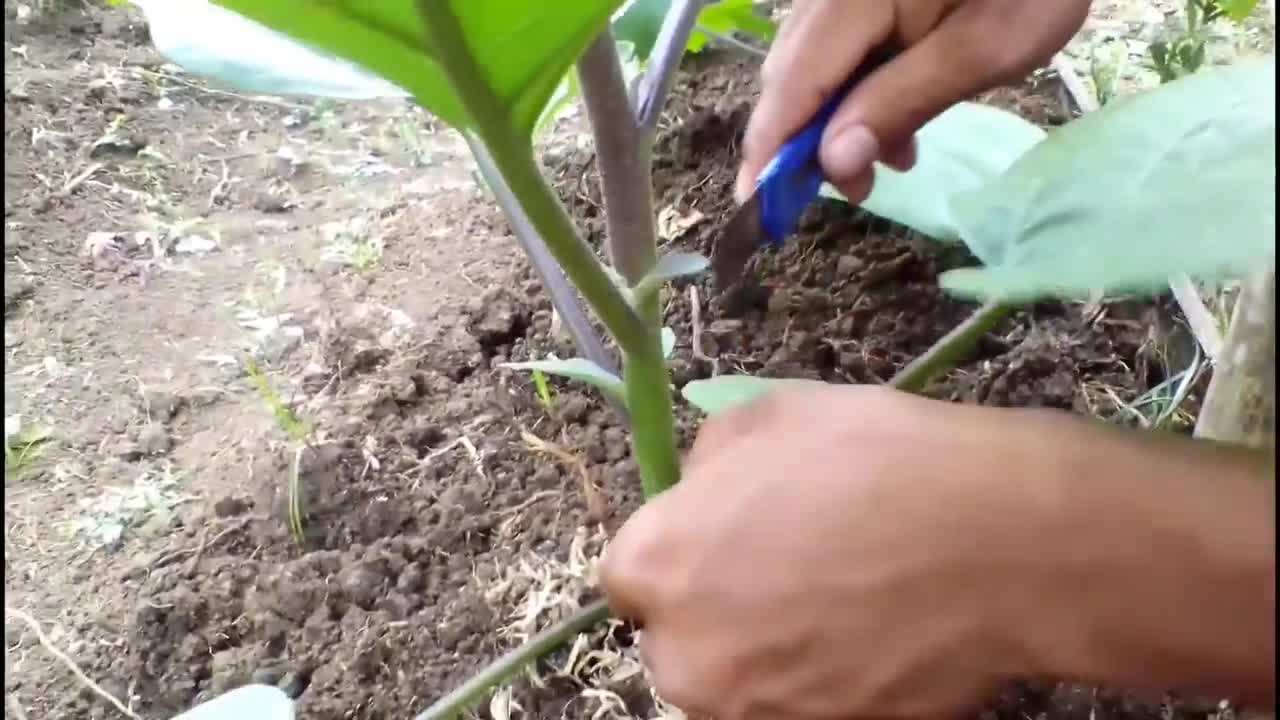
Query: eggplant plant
[1181, 179]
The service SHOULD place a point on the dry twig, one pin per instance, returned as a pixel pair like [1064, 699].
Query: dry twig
[31, 623]
[596, 505]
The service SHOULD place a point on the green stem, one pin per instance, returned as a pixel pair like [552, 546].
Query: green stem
[950, 349]
[512, 153]
[480, 685]
[653, 434]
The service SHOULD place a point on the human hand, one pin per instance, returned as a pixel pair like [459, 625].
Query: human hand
[951, 51]
[857, 552]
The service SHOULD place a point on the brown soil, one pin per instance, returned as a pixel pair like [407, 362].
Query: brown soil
[431, 523]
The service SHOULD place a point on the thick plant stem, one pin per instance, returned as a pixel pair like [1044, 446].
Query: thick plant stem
[951, 349]
[626, 177]
[512, 155]
[1240, 404]
[653, 430]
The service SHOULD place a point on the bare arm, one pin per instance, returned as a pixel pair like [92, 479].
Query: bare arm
[1165, 576]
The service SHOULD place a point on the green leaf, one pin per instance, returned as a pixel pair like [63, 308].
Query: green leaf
[522, 47]
[1180, 179]
[569, 90]
[579, 369]
[729, 16]
[639, 23]
[674, 265]
[962, 149]
[668, 342]
[641, 20]
[668, 267]
[725, 392]
[1237, 10]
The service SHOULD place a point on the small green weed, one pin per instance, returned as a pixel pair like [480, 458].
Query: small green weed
[352, 243]
[297, 430]
[286, 419]
[22, 445]
[544, 391]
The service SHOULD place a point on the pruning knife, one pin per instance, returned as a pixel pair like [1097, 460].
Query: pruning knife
[785, 188]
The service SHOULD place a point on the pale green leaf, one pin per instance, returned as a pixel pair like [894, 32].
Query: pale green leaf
[669, 267]
[522, 47]
[668, 342]
[725, 392]
[674, 265]
[579, 369]
[193, 35]
[639, 22]
[968, 145]
[248, 702]
[1180, 179]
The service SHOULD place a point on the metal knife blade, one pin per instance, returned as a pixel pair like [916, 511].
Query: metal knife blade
[737, 242]
[785, 188]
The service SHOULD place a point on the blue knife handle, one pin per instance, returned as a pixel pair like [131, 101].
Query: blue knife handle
[791, 181]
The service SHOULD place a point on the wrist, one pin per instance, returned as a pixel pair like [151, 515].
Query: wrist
[1161, 566]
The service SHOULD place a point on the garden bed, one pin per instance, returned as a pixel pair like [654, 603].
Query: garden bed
[437, 530]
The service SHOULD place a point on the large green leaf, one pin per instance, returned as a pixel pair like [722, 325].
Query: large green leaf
[522, 47]
[963, 148]
[1180, 179]
[725, 392]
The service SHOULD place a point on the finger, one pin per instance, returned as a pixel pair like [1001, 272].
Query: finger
[902, 158]
[636, 561]
[858, 188]
[954, 62]
[731, 429]
[822, 46]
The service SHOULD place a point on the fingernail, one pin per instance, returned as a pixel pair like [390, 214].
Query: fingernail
[850, 153]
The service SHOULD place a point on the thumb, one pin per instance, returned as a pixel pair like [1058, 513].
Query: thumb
[638, 560]
[975, 48]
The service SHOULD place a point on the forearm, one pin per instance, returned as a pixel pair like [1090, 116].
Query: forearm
[1168, 579]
